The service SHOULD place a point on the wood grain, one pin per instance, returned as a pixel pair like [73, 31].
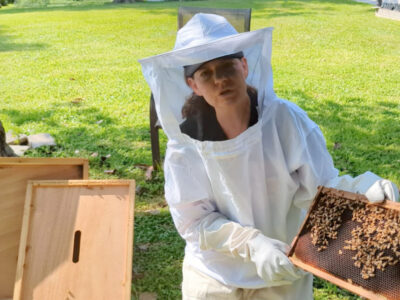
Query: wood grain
[102, 211]
[14, 176]
[335, 280]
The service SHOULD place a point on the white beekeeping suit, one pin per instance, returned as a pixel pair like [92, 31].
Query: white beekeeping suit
[238, 202]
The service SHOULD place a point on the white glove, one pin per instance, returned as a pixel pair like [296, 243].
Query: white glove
[268, 255]
[271, 261]
[372, 186]
[382, 189]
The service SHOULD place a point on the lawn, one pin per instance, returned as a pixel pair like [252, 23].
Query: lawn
[73, 72]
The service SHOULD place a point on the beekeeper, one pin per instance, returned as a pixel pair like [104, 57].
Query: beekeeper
[241, 164]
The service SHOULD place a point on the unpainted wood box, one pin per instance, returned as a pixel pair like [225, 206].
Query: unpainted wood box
[14, 176]
[76, 241]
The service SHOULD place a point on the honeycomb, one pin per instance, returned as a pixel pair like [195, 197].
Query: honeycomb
[349, 239]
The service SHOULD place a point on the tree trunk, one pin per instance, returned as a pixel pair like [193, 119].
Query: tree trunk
[5, 150]
[124, 1]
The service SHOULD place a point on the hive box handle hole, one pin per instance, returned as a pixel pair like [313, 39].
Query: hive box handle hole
[77, 246]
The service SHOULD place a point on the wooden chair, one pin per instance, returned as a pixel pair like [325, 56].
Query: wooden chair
[240, 20]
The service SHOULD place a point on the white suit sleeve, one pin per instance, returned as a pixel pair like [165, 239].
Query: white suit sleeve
[369, 184]
[314, 167]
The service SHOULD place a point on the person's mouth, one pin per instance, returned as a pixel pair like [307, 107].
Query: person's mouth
[225, 92]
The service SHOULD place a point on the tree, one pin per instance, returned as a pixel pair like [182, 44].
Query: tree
[5, 150]
[124, 1]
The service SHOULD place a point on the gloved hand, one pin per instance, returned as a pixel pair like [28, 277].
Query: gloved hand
[271, 261]
[382, 189]
[369, 184]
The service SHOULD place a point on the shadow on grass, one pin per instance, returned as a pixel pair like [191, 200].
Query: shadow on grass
[150, 7]
[294, 7]
[88, 130]
[360, 136]
[7, 44]
[288, 8]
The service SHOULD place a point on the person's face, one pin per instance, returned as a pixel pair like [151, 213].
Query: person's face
[221, 81]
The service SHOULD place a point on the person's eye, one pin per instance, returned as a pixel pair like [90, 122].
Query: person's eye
[205, 75]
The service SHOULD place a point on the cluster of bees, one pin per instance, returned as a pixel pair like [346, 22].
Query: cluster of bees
[326, 218]
[375, 239]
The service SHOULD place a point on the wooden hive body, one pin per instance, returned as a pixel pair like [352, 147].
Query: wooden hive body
[14, 176]
[76, 241]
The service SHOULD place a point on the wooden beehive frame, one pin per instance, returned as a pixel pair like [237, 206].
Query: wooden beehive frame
[53, 161]
[14, 175]
[324, 274]
[90, 205]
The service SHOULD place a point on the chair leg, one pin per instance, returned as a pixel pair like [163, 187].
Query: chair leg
[155, 143]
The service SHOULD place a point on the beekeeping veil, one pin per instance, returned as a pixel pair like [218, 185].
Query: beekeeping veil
[203, 38]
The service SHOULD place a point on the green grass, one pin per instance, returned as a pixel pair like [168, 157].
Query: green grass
[158, 256]
[334, 58]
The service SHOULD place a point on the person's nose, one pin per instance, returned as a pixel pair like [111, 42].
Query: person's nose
[220, 76]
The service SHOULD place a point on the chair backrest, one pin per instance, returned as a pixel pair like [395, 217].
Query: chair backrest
[239, 18]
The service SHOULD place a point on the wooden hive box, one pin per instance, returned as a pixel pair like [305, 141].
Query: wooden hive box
[351, 243]
[14, 175]
[76, 241]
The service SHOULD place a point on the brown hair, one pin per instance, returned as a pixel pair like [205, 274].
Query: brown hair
[195, 103]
